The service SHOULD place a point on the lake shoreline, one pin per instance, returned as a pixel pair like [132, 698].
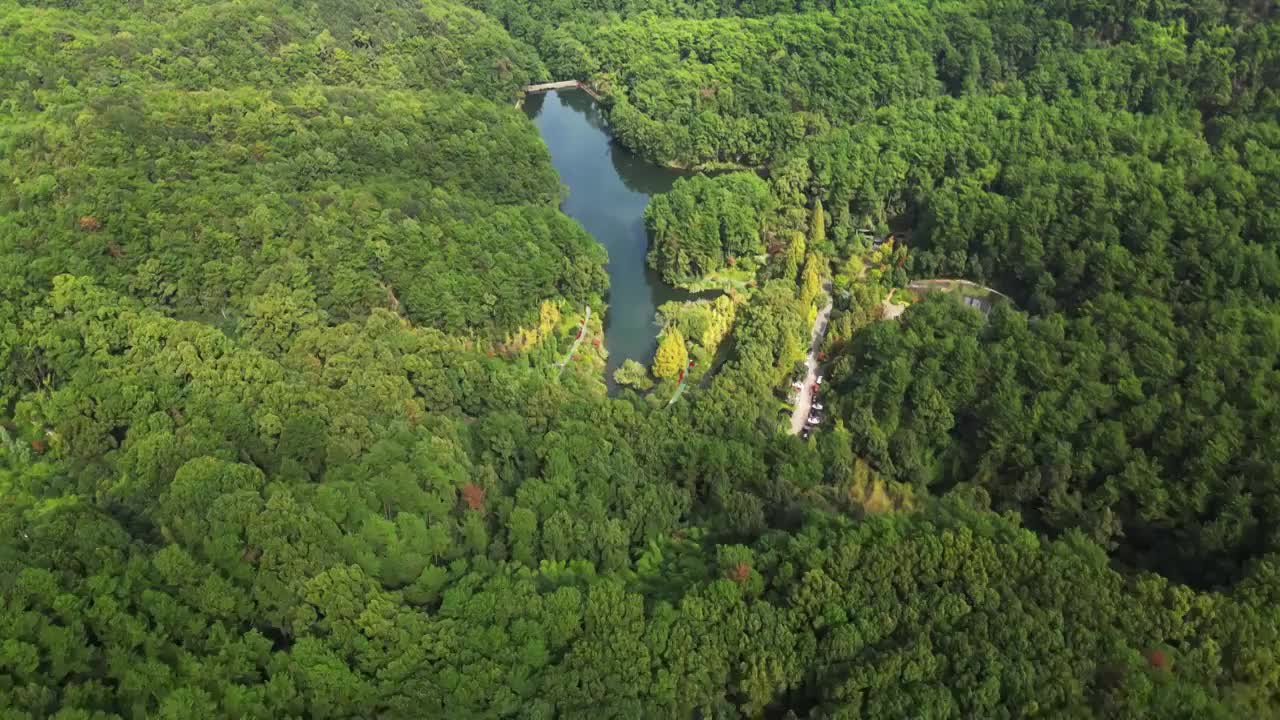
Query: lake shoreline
[608, 190]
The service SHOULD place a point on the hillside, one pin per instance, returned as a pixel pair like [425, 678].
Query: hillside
[285, 294]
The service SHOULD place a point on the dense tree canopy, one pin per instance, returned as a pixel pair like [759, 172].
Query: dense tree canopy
[706, 223]
[287, 429]
[233, 192]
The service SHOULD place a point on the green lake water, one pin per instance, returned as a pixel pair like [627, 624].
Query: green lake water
[609, 188]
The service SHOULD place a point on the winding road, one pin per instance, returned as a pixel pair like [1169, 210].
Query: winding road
[804, 398]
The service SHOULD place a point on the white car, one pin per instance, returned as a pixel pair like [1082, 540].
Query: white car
[814, 419]
[819, 379]
[817, 406]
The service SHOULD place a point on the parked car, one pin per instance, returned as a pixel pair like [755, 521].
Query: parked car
[805, 432]
[819, 379]
[817, 406]
[797, 385]
[814, 419]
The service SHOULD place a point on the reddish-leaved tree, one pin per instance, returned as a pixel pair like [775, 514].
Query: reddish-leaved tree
[473, 495]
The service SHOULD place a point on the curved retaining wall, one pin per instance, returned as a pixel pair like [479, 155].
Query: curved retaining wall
[561, 85]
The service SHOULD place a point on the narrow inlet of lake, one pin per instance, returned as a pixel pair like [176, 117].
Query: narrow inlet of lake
[609, 188]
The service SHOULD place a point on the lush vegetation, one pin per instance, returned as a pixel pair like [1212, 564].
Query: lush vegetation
[707, 223]
[346, 189]
[714, 82]
[285, 293]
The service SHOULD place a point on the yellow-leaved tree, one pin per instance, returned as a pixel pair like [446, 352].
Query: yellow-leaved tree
[817, 225]
[672, 357]
[810, 281]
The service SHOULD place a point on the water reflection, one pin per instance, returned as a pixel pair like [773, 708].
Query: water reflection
[609, 188]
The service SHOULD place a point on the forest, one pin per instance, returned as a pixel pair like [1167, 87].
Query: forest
[287, 428]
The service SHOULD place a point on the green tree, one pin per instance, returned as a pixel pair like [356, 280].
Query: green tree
[817, 226]
[633, 374]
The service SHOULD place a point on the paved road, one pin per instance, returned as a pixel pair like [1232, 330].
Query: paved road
[804, 398]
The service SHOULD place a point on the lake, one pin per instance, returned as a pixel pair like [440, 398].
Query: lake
[609, 188]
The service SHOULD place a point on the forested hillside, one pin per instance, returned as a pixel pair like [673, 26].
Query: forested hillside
[292, 422]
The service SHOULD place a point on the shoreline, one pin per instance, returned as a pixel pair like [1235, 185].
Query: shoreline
[598, 96]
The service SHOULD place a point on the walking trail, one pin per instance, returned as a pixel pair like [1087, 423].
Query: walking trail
[804, 398]
[582, 333]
